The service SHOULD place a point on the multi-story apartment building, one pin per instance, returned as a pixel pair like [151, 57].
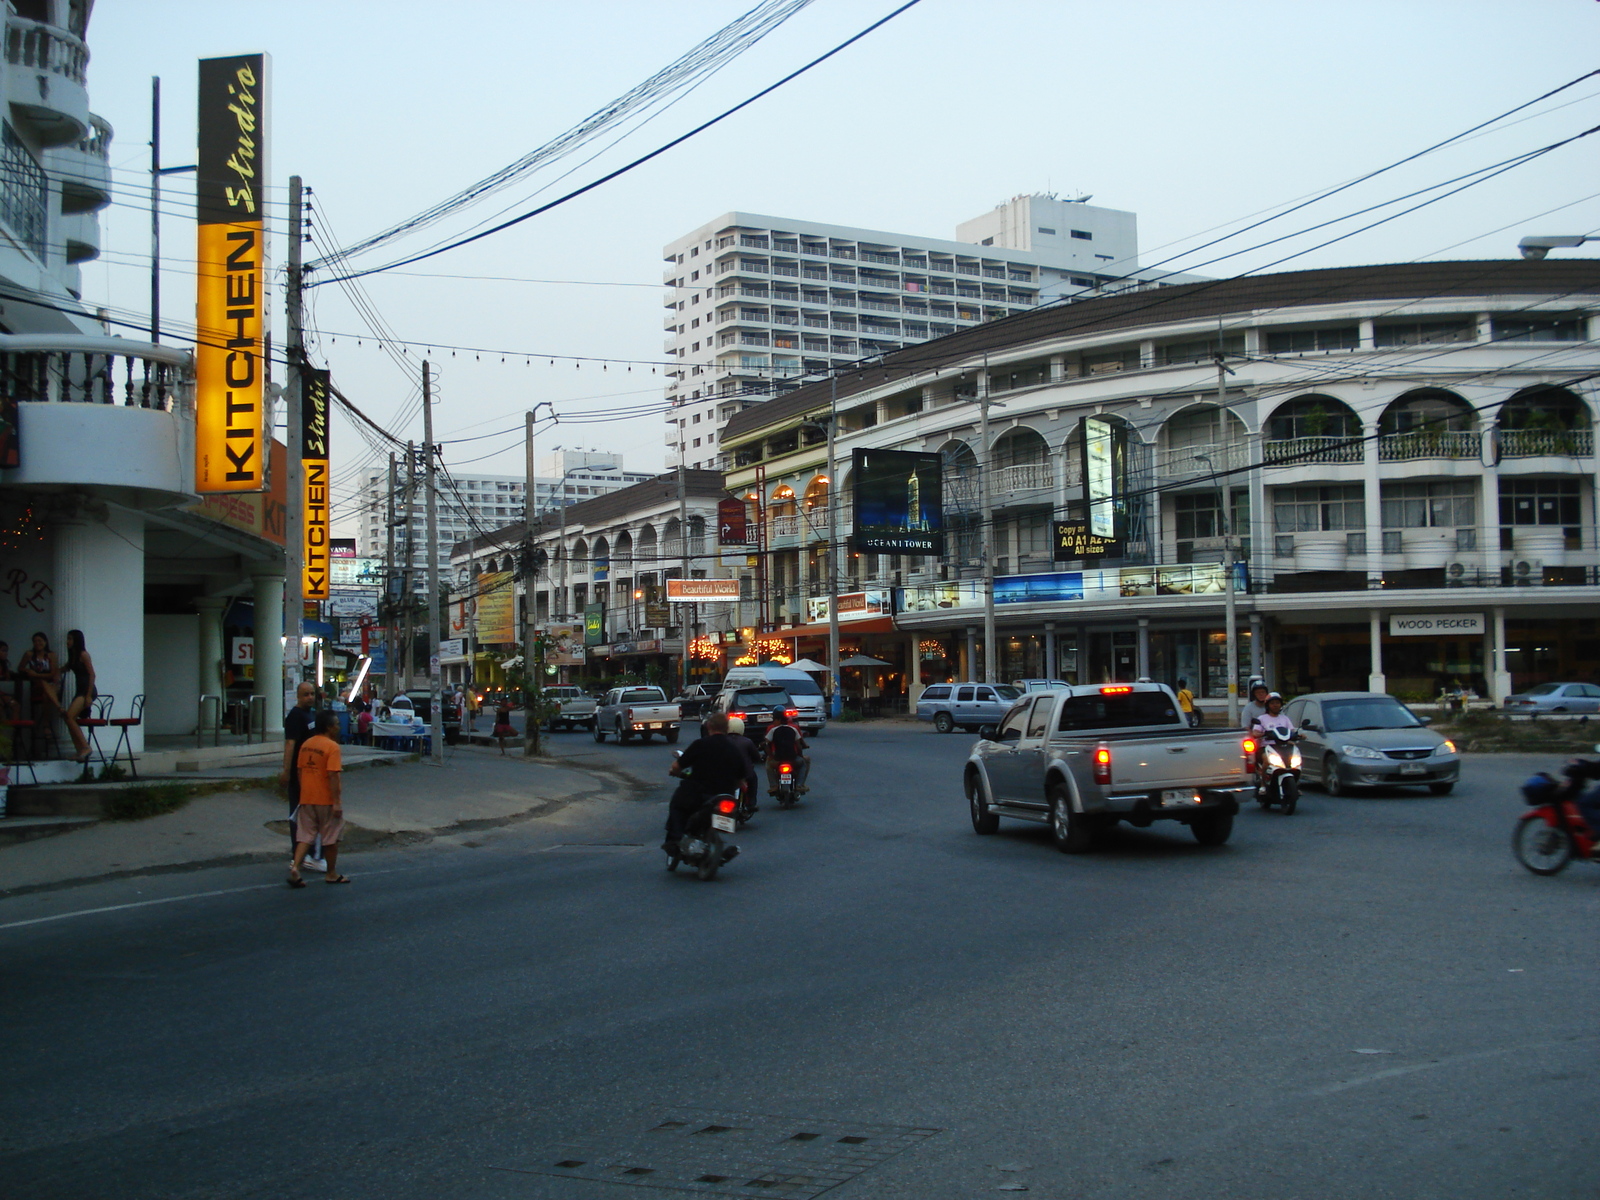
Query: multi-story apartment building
[477, 504]
[1401, 457]
[755, 302]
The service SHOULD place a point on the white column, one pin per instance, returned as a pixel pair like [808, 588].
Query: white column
[972, 653]
[1144, 648]
[98, 588]
[269, 650]
[1372, 491]
[1375, 680]
[913, 672]
[1499, 676]
[210, 644]
[1052, 669]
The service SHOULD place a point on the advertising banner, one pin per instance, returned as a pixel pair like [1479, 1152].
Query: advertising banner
[452, 647]
[696, 591]
[315, 469]
[1186, 579]
[1074, 543]
[230, 275]
[355, 572]
[731, 522]
[353, 604]
[951, 593]
[262, 514]
[1105, 473]
[899, 502]
[564, 645]
[496, 608]
[853, 606]
[594, 625]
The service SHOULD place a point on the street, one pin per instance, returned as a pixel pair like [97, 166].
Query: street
[1367, 999]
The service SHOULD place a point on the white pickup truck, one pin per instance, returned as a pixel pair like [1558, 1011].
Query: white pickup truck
[640, 712]
[1082, 758]
[576, 708]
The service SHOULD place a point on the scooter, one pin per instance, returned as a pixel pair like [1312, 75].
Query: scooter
[1553, 832]
[788, 786]
[1278, 770]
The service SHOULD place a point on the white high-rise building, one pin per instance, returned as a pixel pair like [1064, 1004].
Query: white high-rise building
[757, 302]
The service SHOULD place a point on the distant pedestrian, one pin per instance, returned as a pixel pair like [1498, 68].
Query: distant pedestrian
[320, 817]
[472, 710]
[1186, 703]
[297, 727]
[502, 723]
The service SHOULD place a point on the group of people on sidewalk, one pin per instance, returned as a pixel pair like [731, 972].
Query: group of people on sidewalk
[313, 766]
[45, 678]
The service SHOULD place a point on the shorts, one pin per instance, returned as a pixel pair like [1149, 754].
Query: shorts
[310, 820]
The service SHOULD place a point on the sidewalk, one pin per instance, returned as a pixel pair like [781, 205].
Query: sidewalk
[406, 801]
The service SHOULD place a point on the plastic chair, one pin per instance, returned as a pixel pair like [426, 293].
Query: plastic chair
[98, 717]
[135, 718]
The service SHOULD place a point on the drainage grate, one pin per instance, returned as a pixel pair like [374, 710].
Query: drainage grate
[727, 1154]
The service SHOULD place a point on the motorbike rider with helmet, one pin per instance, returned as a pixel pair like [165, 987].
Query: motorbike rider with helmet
[752, 756]
[1271, 719]
[1257, 704]
[786, 744]
[711, 766]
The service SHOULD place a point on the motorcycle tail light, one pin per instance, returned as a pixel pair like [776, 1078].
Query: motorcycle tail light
[727, 805]
[784, 768]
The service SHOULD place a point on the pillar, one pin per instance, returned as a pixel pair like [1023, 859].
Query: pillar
[913, 672]
[1499, 676]
[1052, 668]
[212, 666]
[972, 655]
[269, 651]
[1257, 651]
[97, 587]
[1375, 680]
[1144, 648]
[1372, 490]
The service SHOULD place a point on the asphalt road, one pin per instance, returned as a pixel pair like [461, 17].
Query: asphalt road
[1367, 999]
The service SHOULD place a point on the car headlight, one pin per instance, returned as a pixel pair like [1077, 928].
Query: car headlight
[1361, 752]
[1445, 747]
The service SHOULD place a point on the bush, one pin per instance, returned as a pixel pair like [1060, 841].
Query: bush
[135, 804]
[849, 716]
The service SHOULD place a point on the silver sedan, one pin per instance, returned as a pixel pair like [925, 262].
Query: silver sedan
[1556, 698]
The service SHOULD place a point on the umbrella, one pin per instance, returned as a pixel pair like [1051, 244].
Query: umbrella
[806, 664]
[862, 660]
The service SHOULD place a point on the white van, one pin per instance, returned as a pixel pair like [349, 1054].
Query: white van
[802, 687]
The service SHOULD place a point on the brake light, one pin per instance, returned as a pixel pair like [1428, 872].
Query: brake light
[726, 806]
[1248, 746]
[628, 716]
[1116, 691]
[791, 713]
[784, 768]
[1102, 764]
[738, 715]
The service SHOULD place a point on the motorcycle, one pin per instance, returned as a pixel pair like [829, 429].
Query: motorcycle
[788, 786]
[701, 846]
[1553, 832]
[1278, 770]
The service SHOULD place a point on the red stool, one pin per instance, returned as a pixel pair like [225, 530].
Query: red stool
[98, 717]
[124, 724]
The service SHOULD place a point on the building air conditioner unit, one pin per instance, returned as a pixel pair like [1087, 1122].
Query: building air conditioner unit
[1459, 574]
[1527, 572]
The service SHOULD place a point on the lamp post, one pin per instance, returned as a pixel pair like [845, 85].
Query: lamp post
[1231, 659]
[1535, 248]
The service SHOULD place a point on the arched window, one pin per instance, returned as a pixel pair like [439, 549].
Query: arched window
[1020, 447]
[1428, 410]
[1545, 420]
[1313, 429]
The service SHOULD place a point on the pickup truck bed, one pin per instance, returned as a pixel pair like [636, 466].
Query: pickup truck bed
[1084, 758]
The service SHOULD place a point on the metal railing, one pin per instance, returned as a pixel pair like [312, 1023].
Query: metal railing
[1313, 449]
[1404, 447]
[1553, 443]
[215, 725]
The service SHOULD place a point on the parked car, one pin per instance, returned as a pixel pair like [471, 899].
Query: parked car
[576, 708]
[1029, 686]
[802, 687]
[1556, 698]
[965, 705]
[1080, 759]
[1367, 739]
[640, 712]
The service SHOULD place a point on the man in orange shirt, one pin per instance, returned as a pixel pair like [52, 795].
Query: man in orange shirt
[321, 811]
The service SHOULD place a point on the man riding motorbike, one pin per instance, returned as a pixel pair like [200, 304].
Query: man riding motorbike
[711, 766]
[752, 756]
[1257, 703]
[786, 744]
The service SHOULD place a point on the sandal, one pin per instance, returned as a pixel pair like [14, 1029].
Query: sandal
[338, 879]
[295, 880]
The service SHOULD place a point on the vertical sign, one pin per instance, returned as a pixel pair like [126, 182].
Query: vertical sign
[317, 547]
[230, 303]
[1104, 470]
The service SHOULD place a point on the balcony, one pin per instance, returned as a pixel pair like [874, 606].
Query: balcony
[1407, 447]
[1179, 461]
[80, 234]
[85, 169]
[1546, 443]
[46, 85]
[784, 528]
[1313, 450]
[1028, 477]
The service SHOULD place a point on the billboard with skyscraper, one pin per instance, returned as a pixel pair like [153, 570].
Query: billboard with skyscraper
[899, 502]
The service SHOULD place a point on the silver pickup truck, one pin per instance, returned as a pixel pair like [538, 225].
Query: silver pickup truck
[631, 712]
[576, 708]
[1082, 758]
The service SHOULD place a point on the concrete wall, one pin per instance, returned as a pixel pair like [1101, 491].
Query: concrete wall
[171, 674]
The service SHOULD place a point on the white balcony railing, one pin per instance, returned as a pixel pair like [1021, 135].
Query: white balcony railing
[1313, 450]
[1201, 459]
[1552, 443]
[786, 527]
[1029, 477]
[93, 370]
[1406, 447]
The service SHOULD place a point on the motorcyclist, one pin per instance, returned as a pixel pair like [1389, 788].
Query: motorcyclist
[752, 756]
[1269, 720]
[1257, 705]
[712, 765]
[786, 744]
[1579, 773]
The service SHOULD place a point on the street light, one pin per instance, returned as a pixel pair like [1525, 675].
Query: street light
[1231, 660]
[1535, 248]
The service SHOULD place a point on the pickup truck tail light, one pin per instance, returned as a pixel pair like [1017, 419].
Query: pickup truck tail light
[1248, 747]
[1102, 764]
[628, 716]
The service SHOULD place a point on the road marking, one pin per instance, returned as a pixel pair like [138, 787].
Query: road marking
[89, 912]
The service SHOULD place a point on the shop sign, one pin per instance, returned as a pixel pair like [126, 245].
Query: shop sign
[695, 591]
[1187, 579]
[452, 647]
[1437, 625]
[353, 604]
[563, 645]
[316, 549]
[496, 608]
[731, 522]
[853, 606]
[1075, 543]
[600, 570]
[594, 625]
[355, 572]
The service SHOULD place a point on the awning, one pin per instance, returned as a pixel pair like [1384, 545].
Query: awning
[846, 628]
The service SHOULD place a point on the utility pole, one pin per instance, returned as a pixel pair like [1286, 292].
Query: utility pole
[435, 701]
[392, 643]
[836, 701]
[294, 494]
[990, 671]
[155, 208]
[530, 668]
[408, 599]
[1231, 663]
[686, 617]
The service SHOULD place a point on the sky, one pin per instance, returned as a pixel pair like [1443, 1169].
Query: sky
[1200, 118]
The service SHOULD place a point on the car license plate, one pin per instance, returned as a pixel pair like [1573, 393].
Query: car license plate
[724, 824]
[1171, 797]
[1413, 769]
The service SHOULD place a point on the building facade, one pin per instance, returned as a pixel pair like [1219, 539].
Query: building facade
[755, 303]
[1398, 459]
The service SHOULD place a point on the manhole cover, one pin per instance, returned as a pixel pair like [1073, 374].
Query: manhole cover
[727, 1154]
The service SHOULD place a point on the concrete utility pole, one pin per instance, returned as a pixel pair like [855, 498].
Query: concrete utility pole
[530, 668]
[391, 642]
[1231, 660]
[435, 701]
[836, 701]
[295, 531]
[986, 510]
[408, 599]
[686, 611]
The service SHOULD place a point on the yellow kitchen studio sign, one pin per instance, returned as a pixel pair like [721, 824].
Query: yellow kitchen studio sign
[315, 561]
[230, 297]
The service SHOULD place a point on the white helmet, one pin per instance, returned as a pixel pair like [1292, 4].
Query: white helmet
[735, 724]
